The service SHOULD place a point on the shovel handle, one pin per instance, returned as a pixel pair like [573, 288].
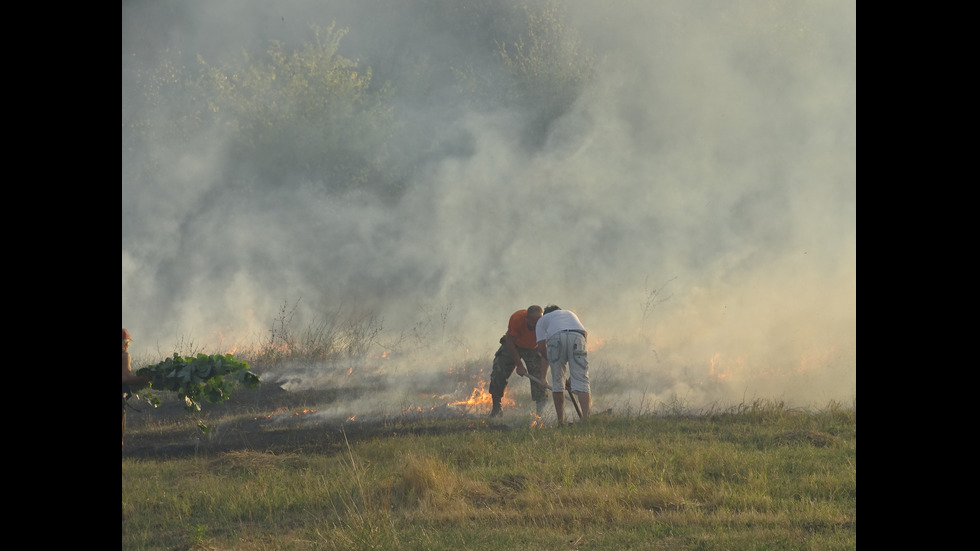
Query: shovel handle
[537, 380]
[571, 396]
[575, 403]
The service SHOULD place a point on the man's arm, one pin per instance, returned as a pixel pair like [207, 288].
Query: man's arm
[543, 352]
[511, 346]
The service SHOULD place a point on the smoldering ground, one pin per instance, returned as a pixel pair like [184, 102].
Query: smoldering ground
[694, 201]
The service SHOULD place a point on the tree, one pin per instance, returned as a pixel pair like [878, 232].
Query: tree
[303, 115]
[545, 67]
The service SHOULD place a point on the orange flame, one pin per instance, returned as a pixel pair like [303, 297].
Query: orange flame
[480, 397]
[282, 409]
[714, 364]
[594, 344]
[537, 422]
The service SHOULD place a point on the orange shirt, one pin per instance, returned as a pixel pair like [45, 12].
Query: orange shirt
[517, 328]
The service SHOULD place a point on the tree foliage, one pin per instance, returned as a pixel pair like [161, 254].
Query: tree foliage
[307, 114]
[547, 61]
[542, 67]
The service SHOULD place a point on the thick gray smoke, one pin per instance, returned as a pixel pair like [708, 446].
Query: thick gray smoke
[695, 204]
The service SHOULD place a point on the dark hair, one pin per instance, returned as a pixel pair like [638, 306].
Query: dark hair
[533, 308]
[551, 308]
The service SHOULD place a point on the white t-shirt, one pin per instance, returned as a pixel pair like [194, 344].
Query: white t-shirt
[553, 322]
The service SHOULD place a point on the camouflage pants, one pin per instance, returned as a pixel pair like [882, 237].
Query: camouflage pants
[503, 367]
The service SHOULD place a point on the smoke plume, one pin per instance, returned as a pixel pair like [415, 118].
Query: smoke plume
[694, 202]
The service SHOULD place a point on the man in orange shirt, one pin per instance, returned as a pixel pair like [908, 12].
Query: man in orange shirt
[128, 377]
[518, 343]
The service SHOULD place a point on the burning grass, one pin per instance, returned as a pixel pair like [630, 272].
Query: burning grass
[280, 421]
[333, 454]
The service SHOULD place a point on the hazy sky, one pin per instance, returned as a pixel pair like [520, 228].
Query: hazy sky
[712, 159]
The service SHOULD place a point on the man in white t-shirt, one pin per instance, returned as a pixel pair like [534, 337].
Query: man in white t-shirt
[561, 339]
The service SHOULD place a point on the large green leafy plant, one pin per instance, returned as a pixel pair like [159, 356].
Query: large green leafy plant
[198, 378]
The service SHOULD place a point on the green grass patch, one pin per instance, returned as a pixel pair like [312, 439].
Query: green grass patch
[757, 477]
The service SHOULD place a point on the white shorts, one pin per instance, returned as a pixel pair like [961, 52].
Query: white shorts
[567, 357]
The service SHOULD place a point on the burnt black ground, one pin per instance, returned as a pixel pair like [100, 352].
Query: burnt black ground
[271, 420]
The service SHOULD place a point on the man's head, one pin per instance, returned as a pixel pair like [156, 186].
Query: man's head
[533, 315]
[551, 308]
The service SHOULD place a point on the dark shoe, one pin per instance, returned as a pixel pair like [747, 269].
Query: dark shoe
[495, 412]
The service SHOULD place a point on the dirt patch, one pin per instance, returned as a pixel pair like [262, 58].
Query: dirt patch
[290, 434]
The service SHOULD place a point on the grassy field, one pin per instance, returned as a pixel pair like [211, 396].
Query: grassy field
[752, 476]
